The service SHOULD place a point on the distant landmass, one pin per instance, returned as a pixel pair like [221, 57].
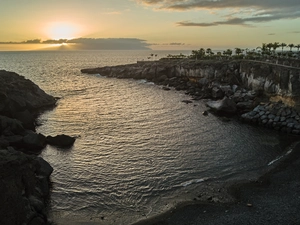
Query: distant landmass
[88, 44]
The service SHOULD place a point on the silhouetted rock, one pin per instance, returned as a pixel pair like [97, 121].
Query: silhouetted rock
[62, 140]
[34, 142]
[22, 194]
[21, 98]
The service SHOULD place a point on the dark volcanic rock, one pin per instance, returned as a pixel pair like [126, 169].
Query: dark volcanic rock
[24, 179]
[34, 142]
[18, 94]
[63, 141]
[22, 195]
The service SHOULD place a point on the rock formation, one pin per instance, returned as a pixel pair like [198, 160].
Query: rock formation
[24, 178]
[24, 188]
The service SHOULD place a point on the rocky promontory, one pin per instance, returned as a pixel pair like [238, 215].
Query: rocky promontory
[24, 177]
[232, 87]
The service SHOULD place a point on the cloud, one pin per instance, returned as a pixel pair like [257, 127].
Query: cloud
[262, 10]
[94, 43]
[110, 43]
[166, 44]
[175, 43]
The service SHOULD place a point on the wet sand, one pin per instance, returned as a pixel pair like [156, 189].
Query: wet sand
[274, 198]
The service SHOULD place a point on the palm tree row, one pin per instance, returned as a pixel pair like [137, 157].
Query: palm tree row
[265, 51]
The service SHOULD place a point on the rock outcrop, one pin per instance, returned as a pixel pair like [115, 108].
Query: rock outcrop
[24, 178]
[63, 141]
[20, 98]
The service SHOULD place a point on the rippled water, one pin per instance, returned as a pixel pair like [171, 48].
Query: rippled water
[138, 146]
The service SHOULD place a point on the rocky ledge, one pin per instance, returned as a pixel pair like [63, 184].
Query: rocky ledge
[233, 87]
[24, 177]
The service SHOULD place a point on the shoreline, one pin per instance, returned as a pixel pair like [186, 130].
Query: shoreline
[248, 202]
[251, 104]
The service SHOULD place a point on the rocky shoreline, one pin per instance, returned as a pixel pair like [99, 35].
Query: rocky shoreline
[240, 88]
[25, 177]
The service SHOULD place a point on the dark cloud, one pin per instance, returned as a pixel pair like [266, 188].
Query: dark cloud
[51, 41]
[94, 43]
[219, 4]
[110, 43]
[262, 10]
[34, 41]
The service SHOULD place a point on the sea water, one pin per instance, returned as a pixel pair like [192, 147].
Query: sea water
[138, 147]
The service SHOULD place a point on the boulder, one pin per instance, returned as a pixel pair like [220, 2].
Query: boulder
[217, 93]
[224, 106]
[62, 140]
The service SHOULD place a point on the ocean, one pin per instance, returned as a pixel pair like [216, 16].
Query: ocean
[139, 149]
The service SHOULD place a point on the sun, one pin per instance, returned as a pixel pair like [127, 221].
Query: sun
[62, 30]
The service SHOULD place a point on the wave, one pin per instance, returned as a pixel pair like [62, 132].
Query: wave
[195, 181]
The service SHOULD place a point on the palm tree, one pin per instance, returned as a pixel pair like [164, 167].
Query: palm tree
[227, 52]
[209, 52]
[198, 54]
[238, 51]
[291, 46]
[298, 47]
[282, 45]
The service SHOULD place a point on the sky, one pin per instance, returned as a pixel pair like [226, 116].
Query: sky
[147, 24]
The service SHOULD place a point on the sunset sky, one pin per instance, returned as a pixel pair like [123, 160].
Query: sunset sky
[155, 24]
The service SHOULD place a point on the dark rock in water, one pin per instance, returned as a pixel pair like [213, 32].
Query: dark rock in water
[63, 141]
[205, 113]
[225, 105]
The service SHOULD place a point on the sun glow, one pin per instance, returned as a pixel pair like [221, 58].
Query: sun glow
[62, 30]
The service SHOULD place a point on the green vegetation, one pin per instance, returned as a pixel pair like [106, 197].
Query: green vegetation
[266, 51]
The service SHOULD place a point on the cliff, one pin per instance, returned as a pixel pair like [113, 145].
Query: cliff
[269, 79]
